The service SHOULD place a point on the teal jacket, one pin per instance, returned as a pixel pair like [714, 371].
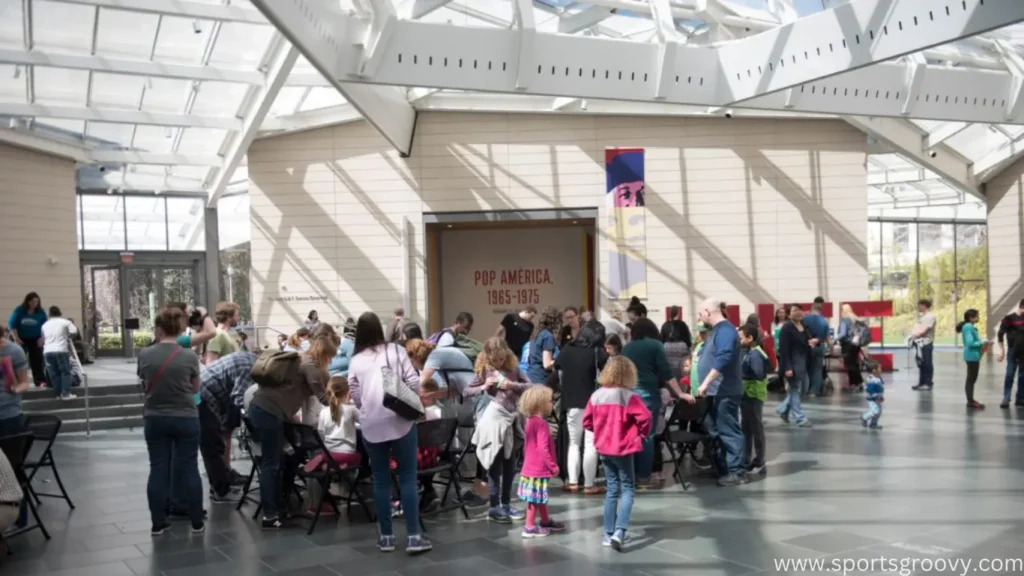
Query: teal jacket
[972, 343]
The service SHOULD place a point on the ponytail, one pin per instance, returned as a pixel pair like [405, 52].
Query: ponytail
[337, 394]
[969, 316]
[960, 327]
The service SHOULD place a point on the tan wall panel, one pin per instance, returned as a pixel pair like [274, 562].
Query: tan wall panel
[38, 220]
[745, 210]
[1005, 195]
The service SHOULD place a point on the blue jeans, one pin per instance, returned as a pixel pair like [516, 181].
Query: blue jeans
[58, 371]
[618, 499]
[173, 439]
[645, 459]
[404, 452]
[927, 372]
[725, 425]
[873, 414]
[817, 375]
[1013, 368]
[790, 405]
[270, 435]
[10, 427]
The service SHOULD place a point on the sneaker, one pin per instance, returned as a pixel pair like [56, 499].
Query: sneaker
[864, 422]
[571, 488]
[498, 515]
[553, 526]
[875, 426]
[272, 524]
[757, 470]
[702, 463]
[386, 543]
[730, 480]
[473, 500]
[784, 416]
[606, 541]
[229, 497]
[535, 532]
[158, 530]
[418, 544]
[805, 424]
[1004, 404]
[617, 539]
[198, 528]
[514, 513]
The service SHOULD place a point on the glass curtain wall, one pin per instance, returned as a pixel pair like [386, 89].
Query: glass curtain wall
[945, 262]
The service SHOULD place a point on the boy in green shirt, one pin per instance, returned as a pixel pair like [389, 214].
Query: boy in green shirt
[754, 372]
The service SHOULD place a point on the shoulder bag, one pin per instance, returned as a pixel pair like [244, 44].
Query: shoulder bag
[398, 397]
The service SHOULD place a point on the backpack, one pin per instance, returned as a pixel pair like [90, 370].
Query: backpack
[436, 336]
[468, 346]
[275, 368]
[860, 334]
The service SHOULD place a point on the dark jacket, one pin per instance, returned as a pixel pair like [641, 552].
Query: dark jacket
[579, 367]
[792, 344]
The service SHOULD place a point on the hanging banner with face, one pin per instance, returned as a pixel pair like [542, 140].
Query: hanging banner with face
[627, 229]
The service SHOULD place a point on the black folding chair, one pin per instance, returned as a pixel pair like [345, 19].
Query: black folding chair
[684, 431]
[248, 444]
[44, 428]
[306, 440]
[16, 448]
[439, 435]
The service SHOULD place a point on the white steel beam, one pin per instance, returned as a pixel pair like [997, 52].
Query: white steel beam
[309, 120]
[905, 138]
[817, 55]
[382, 28]
[584, 19]
[142, 157]
[668, 48]
[280, 67]
[130, 67]
[413, 9]
[999, 159]
[323, 34]
[118, 116]
[40, 143]
[180, 8]
[527, 29]
[944, 132]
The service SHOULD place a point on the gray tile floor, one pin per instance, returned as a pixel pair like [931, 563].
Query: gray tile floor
[937, 482]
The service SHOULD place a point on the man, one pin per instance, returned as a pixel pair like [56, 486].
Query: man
[720, 378]
[817, 327]
[463, 325]
[226, 315]
[517, 328]
[224, 383]
[57, 349]
[924, 334]
[1010, 328]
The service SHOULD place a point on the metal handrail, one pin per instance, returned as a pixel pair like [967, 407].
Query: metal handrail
[256, 334]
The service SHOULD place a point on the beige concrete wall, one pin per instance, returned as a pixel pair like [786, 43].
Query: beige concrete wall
[1005, 195]
[748, 211]
[37, 222]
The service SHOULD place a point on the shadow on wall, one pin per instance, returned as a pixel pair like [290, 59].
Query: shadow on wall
[479, 179]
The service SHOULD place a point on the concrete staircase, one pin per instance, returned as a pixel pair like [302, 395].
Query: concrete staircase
[110, 407]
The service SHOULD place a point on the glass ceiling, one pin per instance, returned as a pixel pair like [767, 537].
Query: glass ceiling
[146, 77]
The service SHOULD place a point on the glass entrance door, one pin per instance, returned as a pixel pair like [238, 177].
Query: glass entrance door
[103, 310]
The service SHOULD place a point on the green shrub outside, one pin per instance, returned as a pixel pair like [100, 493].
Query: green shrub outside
[116, 341]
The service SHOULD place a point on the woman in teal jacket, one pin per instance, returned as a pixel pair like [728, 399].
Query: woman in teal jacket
[26, 324]
[973, 348]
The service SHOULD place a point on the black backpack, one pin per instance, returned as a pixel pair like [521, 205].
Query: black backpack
[860, 334]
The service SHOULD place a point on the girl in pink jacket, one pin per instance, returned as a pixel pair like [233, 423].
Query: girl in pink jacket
[620, 421]
[539, 463]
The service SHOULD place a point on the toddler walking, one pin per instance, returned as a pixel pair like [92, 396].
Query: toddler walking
[875, 389]
[754, 372]
[539, 462]
[620, 421]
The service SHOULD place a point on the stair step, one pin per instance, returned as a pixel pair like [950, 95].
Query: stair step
[71, 414]
[94, 391]
[72, 426]
[52, 403]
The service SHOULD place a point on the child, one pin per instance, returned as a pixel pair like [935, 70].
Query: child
[620, 421]
[539, 462]
[336, 424]
[974, 348]
[875, 389]
[698, 347]
[497, 375]
[613, 345]
[754, 372]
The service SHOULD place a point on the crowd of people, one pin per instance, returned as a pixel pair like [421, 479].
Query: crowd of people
[609, 385]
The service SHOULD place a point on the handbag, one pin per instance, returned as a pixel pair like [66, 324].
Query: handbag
[398, 397]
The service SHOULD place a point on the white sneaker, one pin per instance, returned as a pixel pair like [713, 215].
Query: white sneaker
[68, 397]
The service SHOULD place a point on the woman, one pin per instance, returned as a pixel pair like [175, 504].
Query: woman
[570, 326]
[675, 329]
[849, 348]
[339, 364]
[580, 363]
[26, 324]
[974, 347]
[299, 341]
[781, 317]
[386, 434]
[794, 363]
[635, 311]
[170, 375]
[653, 371]
[540, 358]
[412, 331]
[271, 407]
